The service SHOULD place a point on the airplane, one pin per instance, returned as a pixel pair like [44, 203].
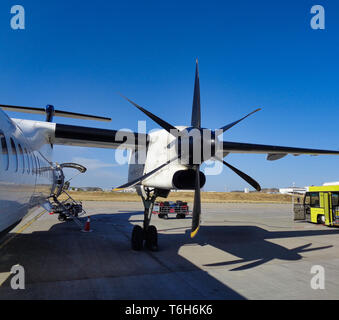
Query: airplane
[171, 159]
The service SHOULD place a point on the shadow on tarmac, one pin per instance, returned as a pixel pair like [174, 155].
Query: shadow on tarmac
[64, 253]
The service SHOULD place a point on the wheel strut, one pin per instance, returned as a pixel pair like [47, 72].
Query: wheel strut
[148, 233]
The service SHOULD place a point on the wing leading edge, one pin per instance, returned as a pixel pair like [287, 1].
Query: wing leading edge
[274, 152]
[97, 138]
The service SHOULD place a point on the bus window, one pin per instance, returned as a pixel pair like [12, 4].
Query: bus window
[315, 202]
[21, 158]
[335, 199]
[14, 155]
[4, 151]
[307, 200]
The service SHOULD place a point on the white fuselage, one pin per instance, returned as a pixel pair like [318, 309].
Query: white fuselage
[26, 172]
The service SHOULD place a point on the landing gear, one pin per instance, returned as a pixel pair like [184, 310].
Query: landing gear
[62, 217]
[148, 233]
[137, 238]
[151, 241]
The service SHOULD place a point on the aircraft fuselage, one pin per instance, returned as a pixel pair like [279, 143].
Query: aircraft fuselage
[26, 171]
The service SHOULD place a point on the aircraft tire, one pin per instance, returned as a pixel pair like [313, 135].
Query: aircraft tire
[152, 238]
[137, 238]
[62, 217]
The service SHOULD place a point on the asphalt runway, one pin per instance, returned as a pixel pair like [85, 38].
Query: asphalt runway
[242, 251]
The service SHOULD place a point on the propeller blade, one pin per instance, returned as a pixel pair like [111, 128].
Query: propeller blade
[165, 125]
[243, 175]
[196, 112]
[197, 204]
[229, 126]
[147, 175]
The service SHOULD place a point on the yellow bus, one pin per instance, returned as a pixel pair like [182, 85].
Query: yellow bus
[320, 205]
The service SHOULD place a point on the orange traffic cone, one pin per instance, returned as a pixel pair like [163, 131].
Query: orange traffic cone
[87, 227]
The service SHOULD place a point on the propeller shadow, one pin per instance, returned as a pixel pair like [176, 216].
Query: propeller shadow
[63, 253]
[252, 246]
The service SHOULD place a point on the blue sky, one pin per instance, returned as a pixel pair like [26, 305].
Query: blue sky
[77, 55]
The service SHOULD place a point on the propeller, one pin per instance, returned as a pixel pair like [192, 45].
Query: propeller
[197, 204]
[195, 124]
[196, 113]
[162, 123]
[145, 176]
[243, 175]
[229, 126]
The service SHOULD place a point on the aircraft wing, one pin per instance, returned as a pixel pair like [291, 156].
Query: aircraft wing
[97, 138]
[60, 134]
[273, 152]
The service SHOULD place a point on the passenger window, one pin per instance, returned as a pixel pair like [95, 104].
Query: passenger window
[32, 162]
[14, 155]
[4, 151]
[315, 199]
[27, 161]
[38, 168]
[36, 165]
[21, 157]
[307, 199]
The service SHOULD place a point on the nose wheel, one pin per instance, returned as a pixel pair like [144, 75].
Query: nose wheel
[147, 236]
[137, 238]
[151, 241]
[142, 238]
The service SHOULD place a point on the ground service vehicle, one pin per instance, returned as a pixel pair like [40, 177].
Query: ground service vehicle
[320, 205]
[163, 209]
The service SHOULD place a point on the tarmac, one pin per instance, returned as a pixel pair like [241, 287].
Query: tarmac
[242, 251]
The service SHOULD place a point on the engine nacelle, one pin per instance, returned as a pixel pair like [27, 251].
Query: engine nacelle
[185, 179]
[174, 176]
[177, 177]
